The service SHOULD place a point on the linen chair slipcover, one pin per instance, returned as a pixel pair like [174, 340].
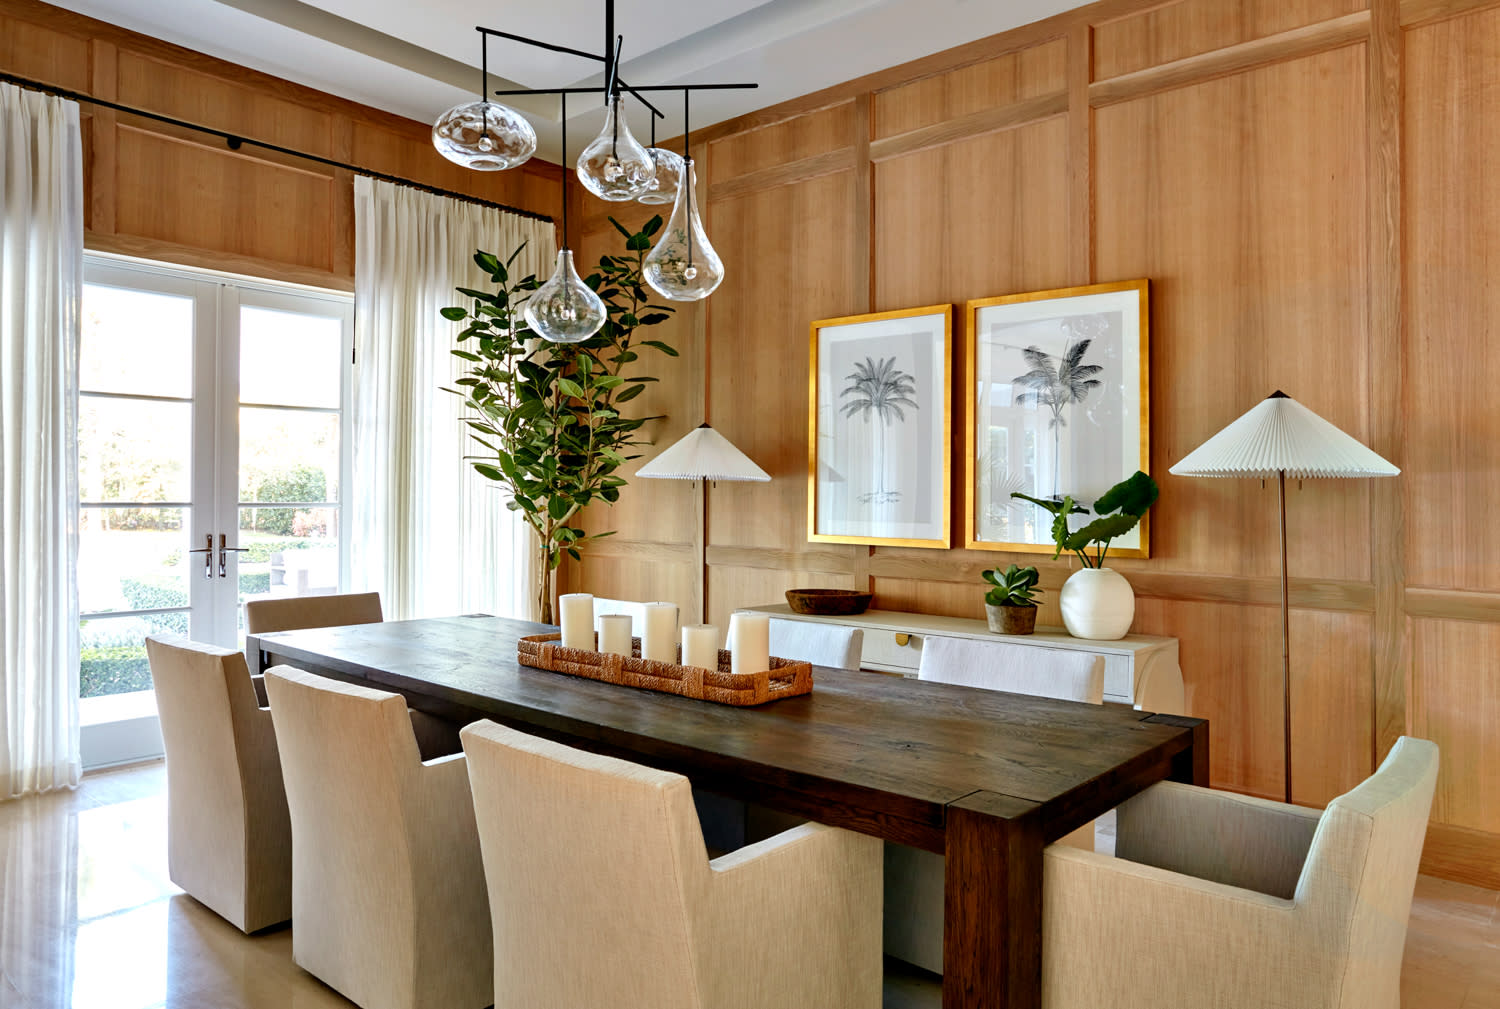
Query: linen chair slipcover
[296, 613]
[821, 644]
[914, 879]
[1223, 900]
[229, 842]
[387, 885]
[603, 894]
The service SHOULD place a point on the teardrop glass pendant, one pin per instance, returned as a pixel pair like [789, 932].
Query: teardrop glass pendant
[563, 309]
[615, 166]
[485, 136]
[683, 266]
[668, 175]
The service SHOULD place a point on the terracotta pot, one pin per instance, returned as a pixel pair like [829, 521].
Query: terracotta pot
[1097, 603]
[1011, 619]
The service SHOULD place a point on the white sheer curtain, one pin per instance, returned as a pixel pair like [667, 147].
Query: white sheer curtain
[430, 534]
[41, 285]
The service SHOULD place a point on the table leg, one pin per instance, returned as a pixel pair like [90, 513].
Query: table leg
[992, 927]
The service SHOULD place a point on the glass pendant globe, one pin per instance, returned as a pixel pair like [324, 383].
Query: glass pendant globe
[683, 266]
[668, 174]
[615, 166]
[563, 309]
[485, 136]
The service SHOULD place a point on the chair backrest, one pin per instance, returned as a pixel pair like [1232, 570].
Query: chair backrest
[636, 612]
[1362, 869]
[594, 866]
[226, 806]
[295, 613]
[349, 759]
[821, 644]
[1058, 673]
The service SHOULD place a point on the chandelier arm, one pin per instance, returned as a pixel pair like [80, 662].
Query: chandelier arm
[567, 50]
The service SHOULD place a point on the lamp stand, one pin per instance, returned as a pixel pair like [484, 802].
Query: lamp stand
[1286, 640]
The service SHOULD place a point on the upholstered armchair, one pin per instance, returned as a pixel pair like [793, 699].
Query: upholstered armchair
[1222, 900]
[295, 613]
[388, 889]
[914, 879]
[603, 894]
[229, 842]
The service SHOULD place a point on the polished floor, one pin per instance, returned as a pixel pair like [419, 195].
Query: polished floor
[89, 920]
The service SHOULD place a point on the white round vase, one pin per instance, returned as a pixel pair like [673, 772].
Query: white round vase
[1097, 603]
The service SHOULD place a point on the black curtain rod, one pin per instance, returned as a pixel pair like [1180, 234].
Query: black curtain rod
[235, 141]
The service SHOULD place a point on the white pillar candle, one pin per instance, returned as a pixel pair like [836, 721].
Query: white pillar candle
[749, 643]
[577, 610]
[700, 646]
[614, 633]
[659, 639]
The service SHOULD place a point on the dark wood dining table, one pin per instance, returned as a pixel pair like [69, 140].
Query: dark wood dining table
[983, 777]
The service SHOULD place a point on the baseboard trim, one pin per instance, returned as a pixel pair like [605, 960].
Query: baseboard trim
[1462, 854]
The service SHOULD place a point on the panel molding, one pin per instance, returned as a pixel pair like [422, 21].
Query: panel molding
[1289, 45]
[785, 174]
[1420, 12]
[976, 124]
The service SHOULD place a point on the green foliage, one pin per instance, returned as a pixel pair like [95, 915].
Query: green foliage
[157, 594]
[547, 415]
[255, 583]
[259, 551]
[300, 483]
[113, 669]
[1015, 586]
[1119, 510]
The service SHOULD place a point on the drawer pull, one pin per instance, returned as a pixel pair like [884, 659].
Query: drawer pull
[903, 639]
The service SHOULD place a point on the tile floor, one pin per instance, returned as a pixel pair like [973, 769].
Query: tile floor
[89, 920]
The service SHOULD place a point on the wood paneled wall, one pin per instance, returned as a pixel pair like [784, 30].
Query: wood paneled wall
[179, 196]
[1307, 185]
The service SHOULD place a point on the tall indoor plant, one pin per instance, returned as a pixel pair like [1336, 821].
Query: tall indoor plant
[1097, 602]
[548, 415]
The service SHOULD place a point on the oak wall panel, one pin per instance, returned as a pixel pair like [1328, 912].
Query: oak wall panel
[1176, 31]
[1452, 221]
[1013, 77]
[1243, 199]
[1455, 702]
[792, 139]
[35, 51]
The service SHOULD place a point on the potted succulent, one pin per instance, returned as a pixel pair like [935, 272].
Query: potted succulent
[1010, 605]
[1097, 602]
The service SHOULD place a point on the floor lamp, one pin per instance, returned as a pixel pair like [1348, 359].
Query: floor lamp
[703, 454]
[1279, 438]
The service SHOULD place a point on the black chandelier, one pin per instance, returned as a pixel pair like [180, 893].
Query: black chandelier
[487, 136]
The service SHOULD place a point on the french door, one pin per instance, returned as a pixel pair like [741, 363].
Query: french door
[213, 463]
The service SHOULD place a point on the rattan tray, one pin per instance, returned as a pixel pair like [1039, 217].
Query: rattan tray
[785, 678]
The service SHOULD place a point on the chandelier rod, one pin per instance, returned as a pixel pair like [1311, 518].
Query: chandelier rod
[550, 47]
[632, 90]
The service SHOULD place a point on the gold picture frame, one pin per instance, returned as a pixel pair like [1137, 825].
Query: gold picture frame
[1117, 313]
[843, 455]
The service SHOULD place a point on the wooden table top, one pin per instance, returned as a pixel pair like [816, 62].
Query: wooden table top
[883, 749]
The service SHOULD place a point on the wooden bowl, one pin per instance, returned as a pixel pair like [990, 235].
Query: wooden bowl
[827, 602]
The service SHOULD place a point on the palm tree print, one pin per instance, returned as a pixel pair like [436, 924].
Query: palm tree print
[879, 390]
[1057, 385]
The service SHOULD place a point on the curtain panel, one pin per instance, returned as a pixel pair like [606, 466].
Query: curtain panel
[430, 534]
[41, 287]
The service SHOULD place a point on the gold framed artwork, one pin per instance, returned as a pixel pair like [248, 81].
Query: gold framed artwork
[1057, 402]
[878, 466]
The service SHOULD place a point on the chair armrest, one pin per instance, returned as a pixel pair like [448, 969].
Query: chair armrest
[796, 918]
[1130, 936]
[1228, 838]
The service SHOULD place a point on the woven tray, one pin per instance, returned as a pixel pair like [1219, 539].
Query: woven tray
[784, 679]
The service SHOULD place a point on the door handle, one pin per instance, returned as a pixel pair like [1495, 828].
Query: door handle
[208, 555]
[224, 551]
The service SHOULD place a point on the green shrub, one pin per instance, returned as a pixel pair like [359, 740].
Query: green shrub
[115, 669]
[158, 594]
[300, 483]
[260, 551]
[255, 583]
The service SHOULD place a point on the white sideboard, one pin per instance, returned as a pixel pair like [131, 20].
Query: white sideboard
[1139, 669]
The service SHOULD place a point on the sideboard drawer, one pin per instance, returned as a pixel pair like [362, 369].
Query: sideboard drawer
[883, 650]
[1119, 678]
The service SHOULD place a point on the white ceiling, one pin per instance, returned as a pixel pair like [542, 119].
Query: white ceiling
[419, 57]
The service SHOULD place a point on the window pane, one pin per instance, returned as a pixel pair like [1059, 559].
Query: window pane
[137, 342]
[288, 552]
[134, 450]
[290, 359]
[112, 655]
[288, 455]
[134, 559]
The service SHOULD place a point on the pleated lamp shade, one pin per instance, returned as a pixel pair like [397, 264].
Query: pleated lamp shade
[703, 454]
[1280, 435]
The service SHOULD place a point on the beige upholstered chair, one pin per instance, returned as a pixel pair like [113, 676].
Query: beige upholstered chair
[1221, 900]
[821, 644]
[603, 894]
[295, 613]
[388, 889]
[914, 879]
[228, 840]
